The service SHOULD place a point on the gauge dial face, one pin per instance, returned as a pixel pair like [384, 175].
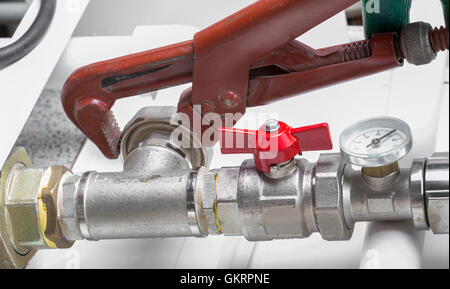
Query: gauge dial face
[376, 142]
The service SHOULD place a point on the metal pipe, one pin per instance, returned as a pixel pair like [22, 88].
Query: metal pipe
[162, 192]
[142, 202]
[115, 206]
[328, 197]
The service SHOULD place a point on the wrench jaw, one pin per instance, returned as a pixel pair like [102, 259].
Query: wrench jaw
[90, 92]
[96, 120]
[107, 131]
[86, 105]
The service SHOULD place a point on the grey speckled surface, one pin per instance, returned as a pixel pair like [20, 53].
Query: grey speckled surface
[48, 135]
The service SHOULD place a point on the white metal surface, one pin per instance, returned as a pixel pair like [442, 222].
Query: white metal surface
[394, 245]
[22, 82]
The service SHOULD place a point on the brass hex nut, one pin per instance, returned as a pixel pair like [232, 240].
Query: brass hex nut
[22, 207]
[31, 205]
[10, 257]
[48, 204]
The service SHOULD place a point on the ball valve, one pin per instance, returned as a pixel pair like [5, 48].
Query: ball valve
[275, 142]
[166, 190]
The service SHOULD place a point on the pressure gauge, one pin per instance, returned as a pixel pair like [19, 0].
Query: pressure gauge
[376, 142]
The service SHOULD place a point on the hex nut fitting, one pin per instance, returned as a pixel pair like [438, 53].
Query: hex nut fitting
[22, 206]
[417, 192]
[328, 199]
[49, 201]
[209, 203]
[227, 204]
[10, 257]
[31, 205]
[68, 208]
[143, 121]
[415, 43]
[162, 123]
[437, 192]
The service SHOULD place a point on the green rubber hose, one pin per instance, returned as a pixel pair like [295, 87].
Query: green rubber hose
[385, 15]
[390, 15]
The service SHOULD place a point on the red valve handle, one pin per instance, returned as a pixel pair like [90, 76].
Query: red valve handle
[275, 142]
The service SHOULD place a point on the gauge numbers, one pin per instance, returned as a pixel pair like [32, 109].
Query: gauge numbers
[376, 142]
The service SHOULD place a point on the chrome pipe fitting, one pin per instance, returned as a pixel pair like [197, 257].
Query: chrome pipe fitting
[437, 192]
[327, 197]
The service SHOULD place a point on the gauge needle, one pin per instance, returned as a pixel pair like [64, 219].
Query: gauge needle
[376, 141]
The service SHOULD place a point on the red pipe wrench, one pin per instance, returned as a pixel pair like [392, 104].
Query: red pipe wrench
[248, 59]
